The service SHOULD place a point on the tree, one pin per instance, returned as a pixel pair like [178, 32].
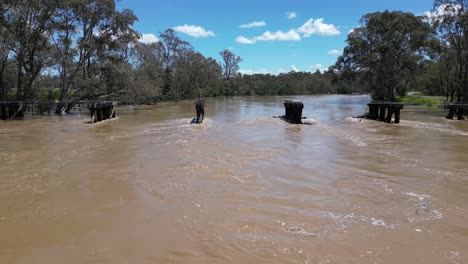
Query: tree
[90, 39]
[451, 20]
[385, 52]
[230, 64]
[26, 26]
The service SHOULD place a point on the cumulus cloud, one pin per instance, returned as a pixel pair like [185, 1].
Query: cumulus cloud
[244, 40]
[334, 52]
[318, 67]
[194, 31]
[279, 35]
[291, 35]
[317, 27]
[148, 38]
[294, 68]
[253, 24]
[291, 15]
[311, 27]
[441, 11]
[250, 71]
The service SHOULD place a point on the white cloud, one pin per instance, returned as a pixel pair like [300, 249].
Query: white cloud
[318, 67]
[317, 27]
[294, 68]
[253, 24]
[251, 72]
[311, 27]
[291, 35]
[351, 31]
[291, 15]
[244, 40]
[441, 11]
[148, 38]
[194, 31]
[334, 52]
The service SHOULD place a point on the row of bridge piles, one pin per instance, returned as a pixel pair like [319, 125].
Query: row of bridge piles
[385, 111]
[456, 108]
[9, 110]
[101, 111]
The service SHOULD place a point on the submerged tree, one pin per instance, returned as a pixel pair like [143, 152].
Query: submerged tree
[384, 53]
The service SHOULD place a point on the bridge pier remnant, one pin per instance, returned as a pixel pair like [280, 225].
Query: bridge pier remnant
[102, 111]
[460, 109]
[200, 111]
[384, 111]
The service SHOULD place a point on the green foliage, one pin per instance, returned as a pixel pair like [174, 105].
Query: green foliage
[384, 53]
[422, 100]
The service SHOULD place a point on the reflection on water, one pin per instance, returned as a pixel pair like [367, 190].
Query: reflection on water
[243, 187]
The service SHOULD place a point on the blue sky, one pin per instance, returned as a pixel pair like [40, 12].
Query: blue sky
[301, 35]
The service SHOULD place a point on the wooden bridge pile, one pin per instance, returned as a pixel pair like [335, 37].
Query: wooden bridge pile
[102, 111]
[293, 112]
[200, 111]
[457, 108]
[384, 111]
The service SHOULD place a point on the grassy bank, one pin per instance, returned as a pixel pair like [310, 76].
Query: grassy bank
[430, 101]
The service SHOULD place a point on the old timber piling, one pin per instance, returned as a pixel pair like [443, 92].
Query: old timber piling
[200, 111]
[457, 108]
[293, 112]
[384, 111]
[11, 110]
[102, 111]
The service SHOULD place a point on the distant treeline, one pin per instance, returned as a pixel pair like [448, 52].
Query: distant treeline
[72, 50]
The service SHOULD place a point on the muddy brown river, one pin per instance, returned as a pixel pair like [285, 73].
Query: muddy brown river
[243, 187]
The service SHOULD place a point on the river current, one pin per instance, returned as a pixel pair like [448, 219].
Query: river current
[243, 187]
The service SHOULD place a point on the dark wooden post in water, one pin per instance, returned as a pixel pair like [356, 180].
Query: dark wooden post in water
[293, 112]
[200, 110]
[459, 108]
[12, 110]
[102, 111]
[384, 111]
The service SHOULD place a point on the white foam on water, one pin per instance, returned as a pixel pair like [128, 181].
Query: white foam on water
[296, 230]
[424, 210]
[344, 221]
[420, 197]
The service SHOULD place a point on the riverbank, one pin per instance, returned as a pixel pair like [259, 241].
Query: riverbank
[428, 101]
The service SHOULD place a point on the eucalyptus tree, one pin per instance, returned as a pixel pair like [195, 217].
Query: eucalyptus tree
[385, 52]
[450, 17]
[25, 27]
[90, 41]
[230, 63]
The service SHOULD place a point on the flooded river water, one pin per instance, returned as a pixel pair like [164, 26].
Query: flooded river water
[243, 187]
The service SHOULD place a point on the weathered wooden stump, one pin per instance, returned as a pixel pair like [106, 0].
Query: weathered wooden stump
[102, 111]
[200, 111]
[456, 108]
[384, 111]
[293, 112]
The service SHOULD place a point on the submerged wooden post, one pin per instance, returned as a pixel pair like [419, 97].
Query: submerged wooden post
[460, 114]
[390, 111]
[397, 115]
[293, 112]
[382, 111]
[3, 111]
[200, 111]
